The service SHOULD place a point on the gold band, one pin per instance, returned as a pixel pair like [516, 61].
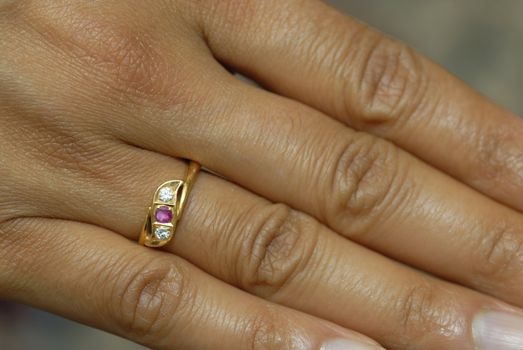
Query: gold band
[168, 204]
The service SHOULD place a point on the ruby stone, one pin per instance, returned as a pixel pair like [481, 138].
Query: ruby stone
[163, 214]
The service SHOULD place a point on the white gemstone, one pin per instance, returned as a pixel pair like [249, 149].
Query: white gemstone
[162, 233]
[166, 194]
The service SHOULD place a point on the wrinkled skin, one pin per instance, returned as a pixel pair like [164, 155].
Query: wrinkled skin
[364, 193]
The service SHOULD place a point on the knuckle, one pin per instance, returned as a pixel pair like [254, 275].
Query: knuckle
[269, 330]
[499, 157]
[114, 48]
[146, 301]
[365, 181]
[281, 245]
[500, 257]
[425, 310]
[390, 83]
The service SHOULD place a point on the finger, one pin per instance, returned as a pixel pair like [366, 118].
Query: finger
[308, 51]
[289, 258]
[98, 278]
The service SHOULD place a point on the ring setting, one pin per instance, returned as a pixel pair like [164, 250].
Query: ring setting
[166, 210]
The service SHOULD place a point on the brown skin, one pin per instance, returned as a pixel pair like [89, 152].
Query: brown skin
[98, 99]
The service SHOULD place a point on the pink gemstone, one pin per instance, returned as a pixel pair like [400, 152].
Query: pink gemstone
[163, 214]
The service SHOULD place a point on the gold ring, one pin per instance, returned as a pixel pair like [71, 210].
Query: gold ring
[168, 203]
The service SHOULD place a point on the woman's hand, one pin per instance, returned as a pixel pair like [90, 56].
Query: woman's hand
[98, 99]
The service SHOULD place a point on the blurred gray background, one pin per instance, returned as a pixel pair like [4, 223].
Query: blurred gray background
[481, 41]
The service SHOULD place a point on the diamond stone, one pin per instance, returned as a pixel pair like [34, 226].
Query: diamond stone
[162, 233]
[166, 194]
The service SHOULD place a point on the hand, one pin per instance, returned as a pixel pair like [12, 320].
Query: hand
[355, 141]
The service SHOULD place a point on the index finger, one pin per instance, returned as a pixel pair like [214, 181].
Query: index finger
[311, 52]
